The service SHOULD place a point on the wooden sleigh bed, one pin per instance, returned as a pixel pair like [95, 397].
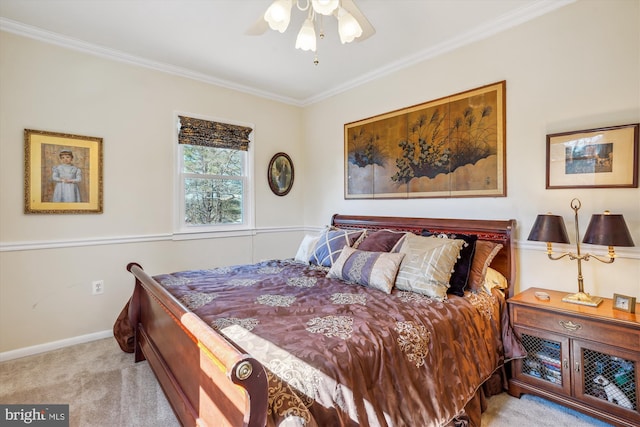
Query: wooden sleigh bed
[218, 374]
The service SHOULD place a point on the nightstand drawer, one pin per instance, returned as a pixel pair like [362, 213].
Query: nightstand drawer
[577, 327]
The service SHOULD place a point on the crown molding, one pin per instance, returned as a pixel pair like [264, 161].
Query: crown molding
[501, 23]
[115, 55]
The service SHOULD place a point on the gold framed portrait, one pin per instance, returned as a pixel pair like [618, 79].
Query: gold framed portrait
[63, 173]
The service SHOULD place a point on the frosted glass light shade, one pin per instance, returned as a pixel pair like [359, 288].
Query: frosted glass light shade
[306, 39]
[325, 7]
[348, 27]
[278, 15]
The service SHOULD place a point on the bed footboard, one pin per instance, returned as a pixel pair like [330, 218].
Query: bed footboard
[203, 376]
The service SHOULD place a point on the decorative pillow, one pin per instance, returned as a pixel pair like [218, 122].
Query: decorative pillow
[372, 269]
[494, 279]
[485, 253]
[306, 248]
[460, 276]
[382, 241]
[427, 265]
[330, 245]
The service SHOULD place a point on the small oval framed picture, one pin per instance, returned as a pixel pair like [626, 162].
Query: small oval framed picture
[624, 303]
[280, 174]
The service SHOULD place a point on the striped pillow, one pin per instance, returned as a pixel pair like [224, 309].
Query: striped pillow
[427, 265]
[372, 269]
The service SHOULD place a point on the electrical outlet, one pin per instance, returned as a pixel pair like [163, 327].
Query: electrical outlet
[97, 287]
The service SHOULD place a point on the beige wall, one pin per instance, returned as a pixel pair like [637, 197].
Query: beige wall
[575, 68]
[45, 293]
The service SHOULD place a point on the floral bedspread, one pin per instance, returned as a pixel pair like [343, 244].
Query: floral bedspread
[342, 354]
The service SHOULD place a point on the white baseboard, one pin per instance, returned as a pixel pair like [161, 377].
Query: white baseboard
[41, 348]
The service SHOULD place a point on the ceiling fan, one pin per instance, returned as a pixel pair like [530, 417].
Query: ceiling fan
[352, 24]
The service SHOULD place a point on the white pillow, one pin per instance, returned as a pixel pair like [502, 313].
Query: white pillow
[427, 265]
[306, 248]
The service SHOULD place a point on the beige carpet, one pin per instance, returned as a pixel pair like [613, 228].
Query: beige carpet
[104, 387]
[101, 384]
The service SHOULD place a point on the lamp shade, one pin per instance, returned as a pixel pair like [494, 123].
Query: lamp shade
[348, 27]
[607, 230]
[325, 7]
[306, 37]
[549, 228]
[278, 15]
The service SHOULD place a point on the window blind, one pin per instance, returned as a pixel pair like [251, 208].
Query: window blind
[213, 134]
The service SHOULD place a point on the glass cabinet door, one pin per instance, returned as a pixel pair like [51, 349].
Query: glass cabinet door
[607, 377]
[547, 362]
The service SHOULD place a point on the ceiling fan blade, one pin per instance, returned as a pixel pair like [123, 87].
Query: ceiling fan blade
[367, 28]
[258, 28]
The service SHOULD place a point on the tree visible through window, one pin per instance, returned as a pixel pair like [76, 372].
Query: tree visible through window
[214, 176]
[213, 185]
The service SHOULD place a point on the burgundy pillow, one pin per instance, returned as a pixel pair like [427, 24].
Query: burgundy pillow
[381, 241]
[462, 269]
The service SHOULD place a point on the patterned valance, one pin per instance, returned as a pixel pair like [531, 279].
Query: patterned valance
[213, 134]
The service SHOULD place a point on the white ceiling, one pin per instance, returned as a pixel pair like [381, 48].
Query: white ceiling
[206, 40]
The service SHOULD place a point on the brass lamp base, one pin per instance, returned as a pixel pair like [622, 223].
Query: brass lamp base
[583, 299]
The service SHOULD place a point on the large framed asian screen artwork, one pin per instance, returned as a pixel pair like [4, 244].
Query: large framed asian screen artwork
[450, 147]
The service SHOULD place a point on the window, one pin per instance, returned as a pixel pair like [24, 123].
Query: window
[214, 178]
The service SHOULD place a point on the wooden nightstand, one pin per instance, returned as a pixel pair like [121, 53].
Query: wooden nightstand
[587, 358]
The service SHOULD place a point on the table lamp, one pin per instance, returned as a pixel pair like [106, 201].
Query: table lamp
[604, 229]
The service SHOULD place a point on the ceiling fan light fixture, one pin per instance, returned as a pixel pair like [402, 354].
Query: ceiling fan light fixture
[352, 23]
[348, 27]
[306, 39]
[278, 15]
[325, 7]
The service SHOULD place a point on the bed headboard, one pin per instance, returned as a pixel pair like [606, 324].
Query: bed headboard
[493, 230]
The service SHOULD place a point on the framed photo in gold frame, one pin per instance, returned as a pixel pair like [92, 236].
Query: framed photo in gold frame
[593, 158]
[63, 173]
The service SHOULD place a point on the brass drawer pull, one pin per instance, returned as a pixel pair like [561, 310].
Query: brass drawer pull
[570, 326]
